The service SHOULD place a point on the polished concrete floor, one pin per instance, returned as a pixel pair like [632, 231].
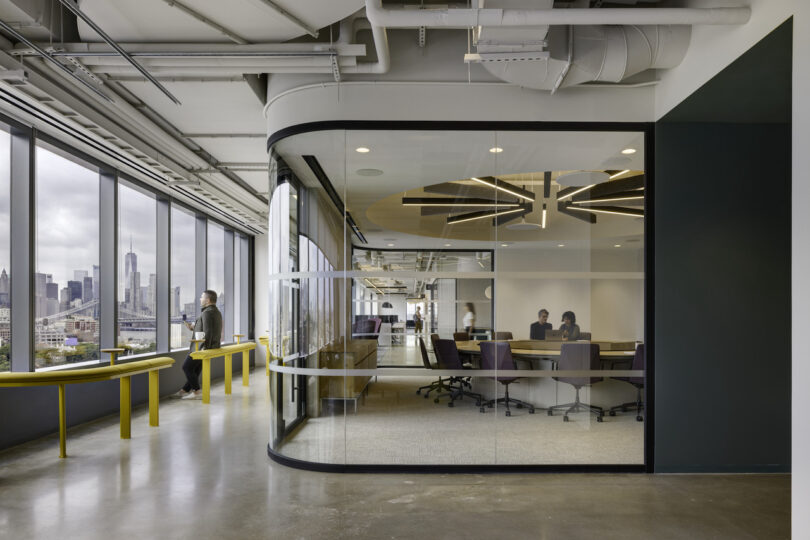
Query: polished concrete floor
[204, 473]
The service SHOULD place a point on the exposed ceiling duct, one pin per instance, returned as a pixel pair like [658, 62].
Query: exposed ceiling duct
[533, 45]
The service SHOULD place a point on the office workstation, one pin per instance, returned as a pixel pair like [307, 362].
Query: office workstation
[487, 289]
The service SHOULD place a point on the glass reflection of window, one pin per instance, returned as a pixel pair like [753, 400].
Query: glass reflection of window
[183, 301]
[5, 250]
[137, 270]
[67, 246]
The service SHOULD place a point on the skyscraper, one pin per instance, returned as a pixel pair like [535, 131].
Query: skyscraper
[130, 263]
[134, 291]
[4, 289]
[79, 275]
[52, 291]
[87, 289]
[151, 297]
[96, 273]
[176, 302]
[75, 288]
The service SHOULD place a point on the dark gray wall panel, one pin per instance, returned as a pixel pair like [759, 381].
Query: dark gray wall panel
[722, 271]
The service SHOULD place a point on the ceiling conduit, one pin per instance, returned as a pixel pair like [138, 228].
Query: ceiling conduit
[471, 17]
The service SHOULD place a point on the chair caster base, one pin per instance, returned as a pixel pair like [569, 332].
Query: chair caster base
[565, 418]
[436, 400]
[482, 410]
[531, 411]
[450, 404]
[426, 396]
[639, 418]
[550, 412]
[598, 418]
[612, 413]
[418, 392]
[508, 413]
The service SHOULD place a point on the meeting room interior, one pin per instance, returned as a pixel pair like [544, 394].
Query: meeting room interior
[511, 262]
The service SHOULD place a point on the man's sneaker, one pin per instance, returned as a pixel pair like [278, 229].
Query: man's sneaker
[193, 395]
[179, 394]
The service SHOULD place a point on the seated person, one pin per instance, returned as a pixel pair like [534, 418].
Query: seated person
[537, 330]
[569, 327]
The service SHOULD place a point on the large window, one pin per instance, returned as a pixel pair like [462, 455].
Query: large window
[67, 242]
[216, 269]
[183, 303]
[5, 250]
[137, 275]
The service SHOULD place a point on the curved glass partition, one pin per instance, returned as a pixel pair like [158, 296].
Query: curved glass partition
[458, 298]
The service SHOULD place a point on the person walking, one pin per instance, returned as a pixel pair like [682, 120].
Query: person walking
[417, 320]
[210, 324]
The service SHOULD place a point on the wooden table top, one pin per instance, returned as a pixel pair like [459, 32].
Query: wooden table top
[472, 347]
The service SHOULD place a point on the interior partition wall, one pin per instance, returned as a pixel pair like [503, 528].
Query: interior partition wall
[524, 247]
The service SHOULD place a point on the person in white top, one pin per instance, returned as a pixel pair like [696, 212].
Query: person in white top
[469, 318]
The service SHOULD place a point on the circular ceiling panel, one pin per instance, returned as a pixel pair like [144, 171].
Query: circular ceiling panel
[582, 178]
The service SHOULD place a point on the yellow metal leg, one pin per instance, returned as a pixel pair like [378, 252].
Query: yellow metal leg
[228, 373]
[206, 380]
[154, 395]
[62, 423]
[245, 368]
[126, 407]
[267, 360]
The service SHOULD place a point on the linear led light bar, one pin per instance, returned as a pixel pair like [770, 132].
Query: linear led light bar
[372, 285]
[505, 187]
[543, 221]
[617, 210]
[481, 215]
[611, 177]
[575, 192]
[622, 196]
[449, 201]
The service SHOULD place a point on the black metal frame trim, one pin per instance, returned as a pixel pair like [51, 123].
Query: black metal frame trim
[445, 469]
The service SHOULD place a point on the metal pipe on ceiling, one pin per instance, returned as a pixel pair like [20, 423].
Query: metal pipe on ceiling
[44, 55]
[112, 43]
[474, 17]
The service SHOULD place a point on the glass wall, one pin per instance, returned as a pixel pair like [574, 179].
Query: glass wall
[137, 269]
[73, 231]
[184, 301]
[5, 249]
[65, 286]
[524, 252]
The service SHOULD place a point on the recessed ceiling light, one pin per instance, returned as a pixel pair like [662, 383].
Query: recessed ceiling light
[390, 245]
[504, 245]
[617, 245]
[628, 151]
[362, 150]
[496, 150]
[560, 245]
[448, 245]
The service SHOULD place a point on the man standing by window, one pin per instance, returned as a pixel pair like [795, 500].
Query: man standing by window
[209, 324]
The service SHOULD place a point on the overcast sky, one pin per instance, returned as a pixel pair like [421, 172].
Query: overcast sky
[67, 198]
[67, 202]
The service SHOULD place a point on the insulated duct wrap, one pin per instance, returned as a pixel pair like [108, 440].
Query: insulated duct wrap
[600, 53]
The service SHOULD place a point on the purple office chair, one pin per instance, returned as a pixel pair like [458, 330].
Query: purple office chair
[574, 356]
[638, 382]
[498, 355]
[448, 357]
[439, 385]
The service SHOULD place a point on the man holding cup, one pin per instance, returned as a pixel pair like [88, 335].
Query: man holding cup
[207, 327]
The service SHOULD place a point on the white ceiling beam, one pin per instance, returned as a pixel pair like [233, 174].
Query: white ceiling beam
[233, 36]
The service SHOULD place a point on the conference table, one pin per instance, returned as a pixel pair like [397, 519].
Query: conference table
[610, 353]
